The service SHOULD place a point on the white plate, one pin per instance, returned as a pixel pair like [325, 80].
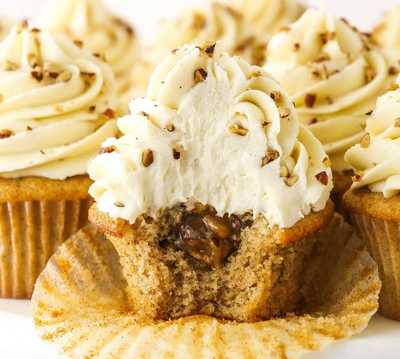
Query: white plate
[18, 339]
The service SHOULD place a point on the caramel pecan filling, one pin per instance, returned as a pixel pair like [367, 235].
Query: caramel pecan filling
[203, 235]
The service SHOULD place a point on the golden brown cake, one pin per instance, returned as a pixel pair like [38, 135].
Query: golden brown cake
[217, 192]
[57, 108]
[180, 266]
[36, 216]
[374, 200]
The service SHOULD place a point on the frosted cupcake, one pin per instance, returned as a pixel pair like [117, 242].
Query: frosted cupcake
[268, 17]
[213, 22]
[217, 192]
[90, 24]
[374, 200]
[334, 75]
[57, 107]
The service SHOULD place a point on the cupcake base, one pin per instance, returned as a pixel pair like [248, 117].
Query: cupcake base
[80, 303]
[36, 216]
[378, 222]
[259, 279]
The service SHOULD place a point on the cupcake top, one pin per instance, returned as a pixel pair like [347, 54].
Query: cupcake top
[213, 130]
[89, 23]
[269, 16]
[334, 75]
[56, 105]
[376, 158]
[387, 33]
[213, 22]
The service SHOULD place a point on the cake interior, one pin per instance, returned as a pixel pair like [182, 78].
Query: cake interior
[190, 261]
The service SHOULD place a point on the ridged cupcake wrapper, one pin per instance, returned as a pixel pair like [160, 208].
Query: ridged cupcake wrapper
[383, 240]
[81, 303]
[30, 232]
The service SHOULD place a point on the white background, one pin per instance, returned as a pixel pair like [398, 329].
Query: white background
[17, 338]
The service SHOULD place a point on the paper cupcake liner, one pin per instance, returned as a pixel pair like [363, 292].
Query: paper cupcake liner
[30, 232]
[80, 303]
[383, 240]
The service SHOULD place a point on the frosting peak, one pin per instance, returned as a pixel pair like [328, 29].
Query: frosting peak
[101, 32]
[269, 16]
[56, 103]
[376, 158]
[334, 75]
[214, 130]
[214, 22]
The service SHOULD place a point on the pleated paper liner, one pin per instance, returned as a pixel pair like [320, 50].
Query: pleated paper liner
[30, 232]
[80, 302]
[383, 240]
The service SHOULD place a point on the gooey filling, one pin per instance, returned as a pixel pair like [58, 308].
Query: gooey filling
[206, 237]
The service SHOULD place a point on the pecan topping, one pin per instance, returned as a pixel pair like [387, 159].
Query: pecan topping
[323, 178]
[209, 50]
[176, 154]
[110, 113]
[276, 96]
[109, 149]
[5, 134]
[238, 129]
[269, 157]
[310, 99]
[296, 46]
[78, 43]
[170, 127]
[147, 158]
[37, 75]
[200, 75]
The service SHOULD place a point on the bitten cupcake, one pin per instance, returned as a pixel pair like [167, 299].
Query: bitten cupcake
[374, 200]
[268, 17]
[213, 22]
[91, 24]
[216, 194]
[334, 75]
[57, 106]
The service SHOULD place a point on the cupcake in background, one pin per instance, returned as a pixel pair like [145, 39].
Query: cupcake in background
[387, 34]
[334, 75]
[57, 106]
[268, 17]
[213, 22]
[374, 199]
[90, 24]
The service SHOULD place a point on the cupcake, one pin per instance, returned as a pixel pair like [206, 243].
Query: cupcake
[334, 74]
[217, 193]
[213, 22]
[268, 17]
[90, 24]
[57, 105]
[374, 199]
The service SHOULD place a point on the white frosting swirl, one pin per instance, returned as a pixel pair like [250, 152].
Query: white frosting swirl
[214, 22]
[269, 16]
[334, 76]
[376, 160]
[101, 32]
[216, 130]
[387, 34]
[53, 96]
